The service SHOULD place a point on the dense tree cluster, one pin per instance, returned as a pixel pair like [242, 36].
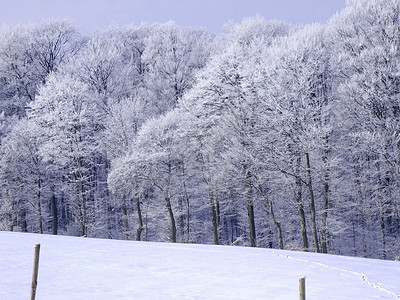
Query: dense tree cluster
[265, 135]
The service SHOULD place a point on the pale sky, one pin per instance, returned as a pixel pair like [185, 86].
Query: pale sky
[91, 15]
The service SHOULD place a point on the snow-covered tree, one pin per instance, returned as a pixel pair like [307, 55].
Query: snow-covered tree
[366, 41]
[173, 55]
[24, 178]
[66, 113]
[27, 55]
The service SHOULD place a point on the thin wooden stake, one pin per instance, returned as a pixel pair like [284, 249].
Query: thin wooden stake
[302, 288]
[35, 272]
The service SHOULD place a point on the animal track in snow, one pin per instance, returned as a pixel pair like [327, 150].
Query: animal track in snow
[364, 277]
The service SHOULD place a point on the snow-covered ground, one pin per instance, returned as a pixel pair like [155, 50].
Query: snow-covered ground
[81, 268]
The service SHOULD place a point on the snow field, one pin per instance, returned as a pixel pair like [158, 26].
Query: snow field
[82, 268]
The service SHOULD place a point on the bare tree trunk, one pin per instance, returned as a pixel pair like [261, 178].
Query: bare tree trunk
[187, 218]
[22, 222]
[187, 198]
[250, 209]
[382, 223]
[218, 210]
[181, 220]
[312, 204]
[324, 228]
[303, 223]
[125, 223]
[214, 217]
[140, 219]
[172, 219]
[299, 201]
[83, 207]
[277, 224]
[82, 197]
[250, 212]
[54, 214]
[39, 204]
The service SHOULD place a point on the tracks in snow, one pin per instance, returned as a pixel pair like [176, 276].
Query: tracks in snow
[364, 277]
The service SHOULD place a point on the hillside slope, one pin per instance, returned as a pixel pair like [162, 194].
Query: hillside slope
[80, 268]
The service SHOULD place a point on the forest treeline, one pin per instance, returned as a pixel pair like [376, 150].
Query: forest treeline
[265, 135]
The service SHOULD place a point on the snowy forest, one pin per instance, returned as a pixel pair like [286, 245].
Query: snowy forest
[266, 135]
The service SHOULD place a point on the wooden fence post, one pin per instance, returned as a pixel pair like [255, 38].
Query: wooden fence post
[302, 288]
[35, 272]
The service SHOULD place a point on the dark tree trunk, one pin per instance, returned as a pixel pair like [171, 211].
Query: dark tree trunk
[22, 222]
[54, 214]
[250, 210]
[125, 222]
[214, 217]
[187, 219]
[172, 219]
[81, 198]
[312, 204]
[140, 219]
[298, 198]
[181, 220]
[382, 223]
[277, 225]
[81, 206]
[324, 228]
[39, 205]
